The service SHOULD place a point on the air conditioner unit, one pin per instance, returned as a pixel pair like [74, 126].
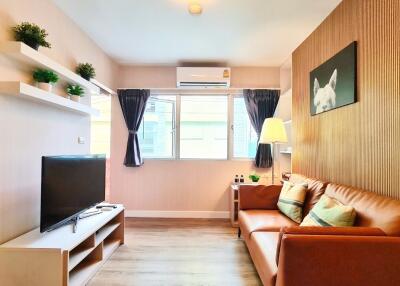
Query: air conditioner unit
[202, 77]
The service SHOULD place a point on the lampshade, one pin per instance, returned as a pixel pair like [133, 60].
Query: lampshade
[273, 131]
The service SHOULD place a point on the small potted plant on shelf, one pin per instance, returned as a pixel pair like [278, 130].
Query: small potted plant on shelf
[86, 70]
[45, 79]
[254, 178]
[31, 34]
[75, 92]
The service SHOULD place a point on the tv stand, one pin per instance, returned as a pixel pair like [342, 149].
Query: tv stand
[60, 257]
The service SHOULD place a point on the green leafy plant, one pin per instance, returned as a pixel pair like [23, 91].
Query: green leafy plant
[254, 178]
[47, 76]
[86, 70]
[75, 89]
[31, 34]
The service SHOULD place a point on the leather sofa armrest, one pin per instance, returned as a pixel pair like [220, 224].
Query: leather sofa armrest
[338, 260]
[320, 230]
[259, 197]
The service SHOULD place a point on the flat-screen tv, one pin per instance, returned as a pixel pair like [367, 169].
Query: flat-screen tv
[70, 185]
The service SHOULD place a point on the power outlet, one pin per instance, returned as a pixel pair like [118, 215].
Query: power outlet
[81, 140]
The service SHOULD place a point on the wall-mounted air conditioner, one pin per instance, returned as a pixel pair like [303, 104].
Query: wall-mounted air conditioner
[203, 77]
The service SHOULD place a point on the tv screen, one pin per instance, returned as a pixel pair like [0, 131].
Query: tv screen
[70, 185]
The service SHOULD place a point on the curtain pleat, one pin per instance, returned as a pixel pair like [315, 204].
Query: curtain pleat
[261, 104]
[133, 104]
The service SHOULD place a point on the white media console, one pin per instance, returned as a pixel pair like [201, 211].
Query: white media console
[61, 257]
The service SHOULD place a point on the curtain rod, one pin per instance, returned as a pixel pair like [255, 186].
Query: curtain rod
[176, 88]
[201, 90]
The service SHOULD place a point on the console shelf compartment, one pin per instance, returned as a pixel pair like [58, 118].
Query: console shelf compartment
[80, 252]
[106, 230]
[61, 257]
[84, 270]
[109, 246]
[87, 268]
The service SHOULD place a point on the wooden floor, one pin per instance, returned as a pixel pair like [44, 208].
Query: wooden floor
[179, 252]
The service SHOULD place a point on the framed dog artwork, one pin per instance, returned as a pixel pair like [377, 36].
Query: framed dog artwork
[333, 84]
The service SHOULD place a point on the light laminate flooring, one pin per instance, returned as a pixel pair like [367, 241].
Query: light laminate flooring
[179, 252]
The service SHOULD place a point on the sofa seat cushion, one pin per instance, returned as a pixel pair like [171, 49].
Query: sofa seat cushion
[262, 220]
[262, 247]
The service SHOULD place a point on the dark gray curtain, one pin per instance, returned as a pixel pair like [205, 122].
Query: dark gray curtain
[261, 104]
[133, 104]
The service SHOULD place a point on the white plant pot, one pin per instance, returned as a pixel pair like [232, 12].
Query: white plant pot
[75, 98]
[45, 86]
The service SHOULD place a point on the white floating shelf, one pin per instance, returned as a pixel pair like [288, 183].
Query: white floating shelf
[288, 121]
[286, 152]
[26, 91]
[103, 88]
[25, 54]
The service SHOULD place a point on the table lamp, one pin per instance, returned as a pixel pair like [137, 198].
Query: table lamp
[273, 132]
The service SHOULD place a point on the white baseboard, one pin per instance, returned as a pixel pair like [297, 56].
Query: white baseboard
[177, 214]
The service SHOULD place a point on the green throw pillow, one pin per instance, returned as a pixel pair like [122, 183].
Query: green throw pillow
[291, 200]
[330, 212]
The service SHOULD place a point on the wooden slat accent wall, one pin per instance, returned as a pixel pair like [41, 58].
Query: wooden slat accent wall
[359, 144]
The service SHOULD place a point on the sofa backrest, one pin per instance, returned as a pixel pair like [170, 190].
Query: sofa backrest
[372, 209]
[316, 189]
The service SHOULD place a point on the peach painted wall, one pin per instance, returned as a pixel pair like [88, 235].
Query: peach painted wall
[170, 187]
[29, 130]
[146, 77]
[165, 77]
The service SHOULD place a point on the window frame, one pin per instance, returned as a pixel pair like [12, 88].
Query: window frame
[173, 130]
[176, 129]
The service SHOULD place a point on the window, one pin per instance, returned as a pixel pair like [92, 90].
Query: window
[244, 136]
[101, 125]
[156, 133]
[203, 127]
[195, 126]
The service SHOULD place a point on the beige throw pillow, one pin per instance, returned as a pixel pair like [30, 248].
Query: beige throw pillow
[291, 200]
[330, 212]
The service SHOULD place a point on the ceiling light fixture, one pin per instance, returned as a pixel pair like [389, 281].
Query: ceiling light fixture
[195, 9]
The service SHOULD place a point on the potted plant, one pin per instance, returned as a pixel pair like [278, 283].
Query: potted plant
[86, 70]
[254, 178]
[45, 79]
[75, 92]
[31, 34]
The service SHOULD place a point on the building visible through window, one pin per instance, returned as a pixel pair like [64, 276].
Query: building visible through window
[156, 133]
[244, 135]
[203, 127]
[101, 125]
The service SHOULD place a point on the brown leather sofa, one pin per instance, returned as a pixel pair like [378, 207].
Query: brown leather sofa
[286, 254]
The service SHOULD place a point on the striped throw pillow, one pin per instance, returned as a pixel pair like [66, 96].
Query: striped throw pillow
[291, 200]
[330, 212]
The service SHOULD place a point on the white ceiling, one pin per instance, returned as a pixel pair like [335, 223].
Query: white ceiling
[231, 32]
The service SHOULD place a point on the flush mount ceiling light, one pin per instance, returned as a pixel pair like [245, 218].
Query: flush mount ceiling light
[195, 9]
